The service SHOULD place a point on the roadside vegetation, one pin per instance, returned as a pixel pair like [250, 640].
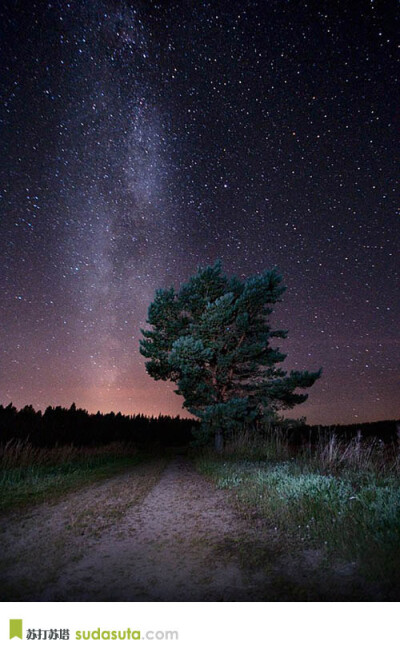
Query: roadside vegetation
[30, 475]
[339, 496]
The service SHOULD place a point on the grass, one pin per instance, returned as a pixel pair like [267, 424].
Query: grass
[39, 547]
[342, 497]
[31, 475]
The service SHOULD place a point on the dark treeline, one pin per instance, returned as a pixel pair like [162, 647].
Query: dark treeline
[63, 426]
[386, 431]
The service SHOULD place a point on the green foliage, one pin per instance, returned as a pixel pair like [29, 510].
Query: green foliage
[353, 513]
[30, 475]
[214, 340]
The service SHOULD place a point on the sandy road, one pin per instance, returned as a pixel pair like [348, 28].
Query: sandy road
[160, 532]
[174, 540]
[167, 548]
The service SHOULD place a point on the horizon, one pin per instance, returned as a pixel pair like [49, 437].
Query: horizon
[188, 416]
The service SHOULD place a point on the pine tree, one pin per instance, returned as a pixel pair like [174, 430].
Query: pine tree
[214, 340]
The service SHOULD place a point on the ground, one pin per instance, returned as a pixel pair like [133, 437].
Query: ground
[160, 532]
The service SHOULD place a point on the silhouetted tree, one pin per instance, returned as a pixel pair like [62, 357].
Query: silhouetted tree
[214, 340]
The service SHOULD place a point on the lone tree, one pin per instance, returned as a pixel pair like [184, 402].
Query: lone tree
[213, 339]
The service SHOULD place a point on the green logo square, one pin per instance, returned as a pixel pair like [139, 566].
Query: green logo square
[15, 628]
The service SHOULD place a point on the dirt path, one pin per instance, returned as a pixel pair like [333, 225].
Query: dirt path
[110, 543]
[165, 549]
[153, 534]
[44, 543]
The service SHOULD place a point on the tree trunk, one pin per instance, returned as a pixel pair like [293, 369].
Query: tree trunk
[219, 442]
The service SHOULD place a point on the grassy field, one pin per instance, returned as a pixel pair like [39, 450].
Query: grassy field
[341, 497]
[30, 475]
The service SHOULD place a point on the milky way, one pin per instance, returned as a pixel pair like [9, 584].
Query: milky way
[141, 139]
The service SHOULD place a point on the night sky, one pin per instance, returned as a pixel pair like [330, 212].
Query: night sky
[142, 139]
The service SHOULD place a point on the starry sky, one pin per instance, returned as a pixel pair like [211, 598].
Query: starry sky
[140, 139]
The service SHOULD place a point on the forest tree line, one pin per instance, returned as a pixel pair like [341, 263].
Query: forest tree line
[385, 431]
[64, 426]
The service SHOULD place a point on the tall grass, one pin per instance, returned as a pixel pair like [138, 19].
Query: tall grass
[29, 474]
[340, 496]
[251, 445]
[330, 454]
[17, 453]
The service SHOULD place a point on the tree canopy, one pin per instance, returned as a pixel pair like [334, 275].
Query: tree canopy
[213, 338]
